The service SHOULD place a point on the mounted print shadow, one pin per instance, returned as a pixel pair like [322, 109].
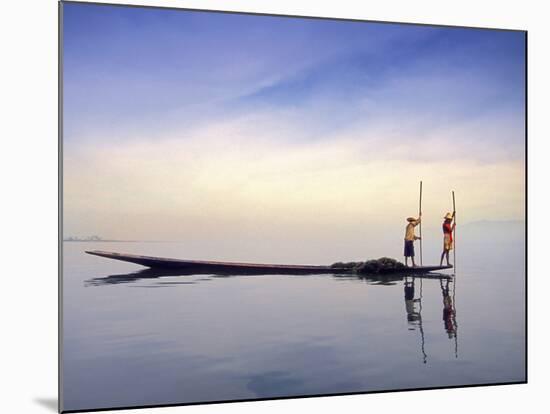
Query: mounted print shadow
[259, 206]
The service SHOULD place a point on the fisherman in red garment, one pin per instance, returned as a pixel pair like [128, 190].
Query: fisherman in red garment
[448, 228]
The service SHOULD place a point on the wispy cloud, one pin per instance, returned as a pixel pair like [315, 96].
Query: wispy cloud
[238, 173]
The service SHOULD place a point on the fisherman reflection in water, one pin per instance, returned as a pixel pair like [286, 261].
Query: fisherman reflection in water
[448, 310]
[413, 307]
[413, 316]
[410, 237]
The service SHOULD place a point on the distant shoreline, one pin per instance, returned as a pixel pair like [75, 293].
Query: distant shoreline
[109, 241]
[118, 241]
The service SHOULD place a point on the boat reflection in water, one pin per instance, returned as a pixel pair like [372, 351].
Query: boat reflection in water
[135, 276]
[412, 293]
[155, 273]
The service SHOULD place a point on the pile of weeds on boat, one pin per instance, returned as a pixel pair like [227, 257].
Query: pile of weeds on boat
[370, 266]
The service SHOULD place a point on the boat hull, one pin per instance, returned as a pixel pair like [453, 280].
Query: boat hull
[199, 266]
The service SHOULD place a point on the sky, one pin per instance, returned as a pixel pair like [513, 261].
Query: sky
[191, 126]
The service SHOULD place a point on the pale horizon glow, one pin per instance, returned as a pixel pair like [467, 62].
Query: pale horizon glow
[194, 126]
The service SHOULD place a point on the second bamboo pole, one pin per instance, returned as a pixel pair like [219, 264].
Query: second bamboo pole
[419, 215]
[454, 232]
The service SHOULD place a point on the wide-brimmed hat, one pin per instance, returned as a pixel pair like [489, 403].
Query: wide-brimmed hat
[409, 219]
[448, 216]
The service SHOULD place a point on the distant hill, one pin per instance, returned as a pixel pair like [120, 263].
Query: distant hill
[93, 239]
[494, 230]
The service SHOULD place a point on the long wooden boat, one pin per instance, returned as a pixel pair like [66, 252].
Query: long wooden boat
[200, 266]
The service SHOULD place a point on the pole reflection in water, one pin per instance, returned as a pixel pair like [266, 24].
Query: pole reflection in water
[454, 316]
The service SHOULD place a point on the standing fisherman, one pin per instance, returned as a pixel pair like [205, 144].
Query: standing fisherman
[410, 237]
[448, 228]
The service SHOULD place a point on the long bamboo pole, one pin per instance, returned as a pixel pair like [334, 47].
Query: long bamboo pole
[419, 214]
[454, 232]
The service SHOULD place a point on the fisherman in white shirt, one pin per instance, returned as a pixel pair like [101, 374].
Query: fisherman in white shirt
[410, 237]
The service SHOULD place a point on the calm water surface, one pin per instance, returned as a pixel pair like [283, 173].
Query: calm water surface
[160, 340]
